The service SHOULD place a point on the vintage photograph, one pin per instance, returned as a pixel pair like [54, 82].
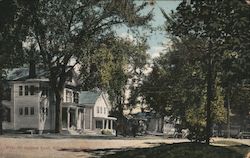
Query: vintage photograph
[124, 79]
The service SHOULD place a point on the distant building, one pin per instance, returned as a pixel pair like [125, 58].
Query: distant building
[154, 122]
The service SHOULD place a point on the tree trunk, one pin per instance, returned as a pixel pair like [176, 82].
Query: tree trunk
[58, 112]
[209, 100]
[228, 114]
[1, 118]
[162, 124]
[57, 83]
[1, 109]
[119, 104]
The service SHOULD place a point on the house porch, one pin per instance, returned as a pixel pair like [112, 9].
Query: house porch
[72, 117]
[104, 123]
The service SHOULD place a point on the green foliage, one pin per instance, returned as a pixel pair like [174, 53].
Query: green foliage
[195, 122]
[219, 27]
[117, 64]
[177, 87]
[10, 37]
[218, 106]
[10, 44]
[65, 30]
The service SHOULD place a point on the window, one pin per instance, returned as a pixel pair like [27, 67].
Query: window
[20, 111]
[32, 111]
[97, 109]
[98, 124]
[20, 90]
[76, 97]
[26, 90]
[104, 110]
[32, 90]
[26, 111]
[100, 109]
[68, 96]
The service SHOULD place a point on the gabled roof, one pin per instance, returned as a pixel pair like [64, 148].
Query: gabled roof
[23, 74]
[88, 98]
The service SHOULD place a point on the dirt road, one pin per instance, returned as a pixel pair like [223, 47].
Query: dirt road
[70, 148]
[73, 148]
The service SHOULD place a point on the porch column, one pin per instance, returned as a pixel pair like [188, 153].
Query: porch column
[156, 125]
[111, 124]
[103, 124]
[107, 125]
[91, 120]
[76, 118]
[83, 117]
[68, 117]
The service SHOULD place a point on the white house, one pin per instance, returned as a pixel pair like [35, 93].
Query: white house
[31, 105]
[97, 107]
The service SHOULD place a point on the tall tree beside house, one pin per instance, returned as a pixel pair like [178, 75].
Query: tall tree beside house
[66, 30]
[10, 43]
[117, 64]
[213, 21]
[127, 73]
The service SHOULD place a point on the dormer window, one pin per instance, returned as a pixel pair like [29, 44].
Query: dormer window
[76, 97]
[68, 96]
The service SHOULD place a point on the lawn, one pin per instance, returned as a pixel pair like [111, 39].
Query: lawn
[223, 149]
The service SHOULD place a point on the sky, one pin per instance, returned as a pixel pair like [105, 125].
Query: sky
[157, 38]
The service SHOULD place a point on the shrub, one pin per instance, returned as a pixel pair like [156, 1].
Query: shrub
[106, 132]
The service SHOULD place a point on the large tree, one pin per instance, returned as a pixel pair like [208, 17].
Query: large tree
[217, 23]
[115, 68]
[10, 44]
[66, 30]
[176, 87]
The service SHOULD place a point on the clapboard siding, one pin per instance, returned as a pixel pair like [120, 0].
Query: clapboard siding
[26, 121]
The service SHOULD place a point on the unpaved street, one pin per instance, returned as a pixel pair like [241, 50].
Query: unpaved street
[74, 147]
[69, 148]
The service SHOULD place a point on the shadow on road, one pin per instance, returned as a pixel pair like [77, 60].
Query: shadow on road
[177, 150]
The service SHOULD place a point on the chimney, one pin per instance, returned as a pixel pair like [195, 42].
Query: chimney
[32, 69]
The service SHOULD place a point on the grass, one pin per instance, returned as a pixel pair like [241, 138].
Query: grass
[235, 146]
[227, 143]
[186, 150]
